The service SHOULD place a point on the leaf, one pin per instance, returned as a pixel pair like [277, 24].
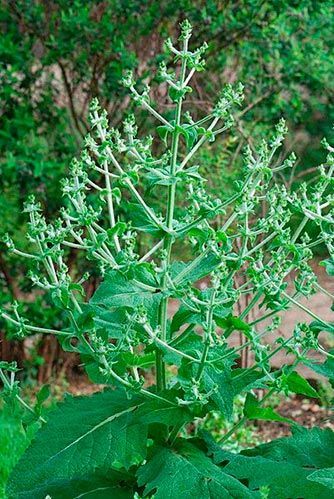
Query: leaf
[297, 384]
[326, 369]
[233, 323]
[190, 134]
[183, 273]
[108, 429]
[220, 381]
[318, 327]
[190, 344]
[285, 465]
[102, 484]
[185, 472]
[252, 410]
[329, 266]
[141, 221]
[112, 321]
[163, 132]
[185, 316]
[247, 379]
[325, 477]
[117, 290]
[309, 448]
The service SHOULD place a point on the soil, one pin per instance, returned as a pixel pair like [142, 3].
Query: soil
[304, 412]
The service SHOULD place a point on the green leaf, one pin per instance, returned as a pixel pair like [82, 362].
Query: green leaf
[220, 381]
[190, 134]
[325, 477]
[107, 429]
[233, 323]
[101, 484]
[185, 472]
[190, 344]
[297, 384]
[329, 266]
[285, 465]
[252, 410]
[117, 290]
[318, 327]
[141, 221]
[163, 132]
[247, 379]
[112, 321]
[197, 269]
[185, 316]
[326, 369]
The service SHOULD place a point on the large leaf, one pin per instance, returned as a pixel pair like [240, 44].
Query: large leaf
[186, 315]
[185, 472]
[102, 484]
[112, 321]
[286, 466]
[85, 433]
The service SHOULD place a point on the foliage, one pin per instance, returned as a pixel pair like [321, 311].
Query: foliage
[56, 56]
[125, 440]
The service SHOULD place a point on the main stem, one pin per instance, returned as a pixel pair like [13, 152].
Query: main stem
[168, 240]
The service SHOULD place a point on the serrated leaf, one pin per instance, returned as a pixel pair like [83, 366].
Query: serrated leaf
[247, 379]
[117, 290]
[185, 316]
[253, 410]
[107, 429]
[233, 323]
[297, 384]
[190, 344]
[220, 381]
[185, 472]
[284, 465]
[197, 269]
[112, 321]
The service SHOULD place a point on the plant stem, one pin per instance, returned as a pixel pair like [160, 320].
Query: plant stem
[168, 239]
[207, 335]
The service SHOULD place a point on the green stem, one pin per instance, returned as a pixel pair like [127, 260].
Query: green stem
[168, 239]
[18, 398]
[207, 335]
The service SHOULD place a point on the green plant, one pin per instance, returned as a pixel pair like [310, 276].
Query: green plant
[55, 56]
[126, 440]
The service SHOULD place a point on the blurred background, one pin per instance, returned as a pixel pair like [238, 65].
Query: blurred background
[55, 56]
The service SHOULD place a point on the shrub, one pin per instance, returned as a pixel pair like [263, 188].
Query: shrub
[126, 440]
